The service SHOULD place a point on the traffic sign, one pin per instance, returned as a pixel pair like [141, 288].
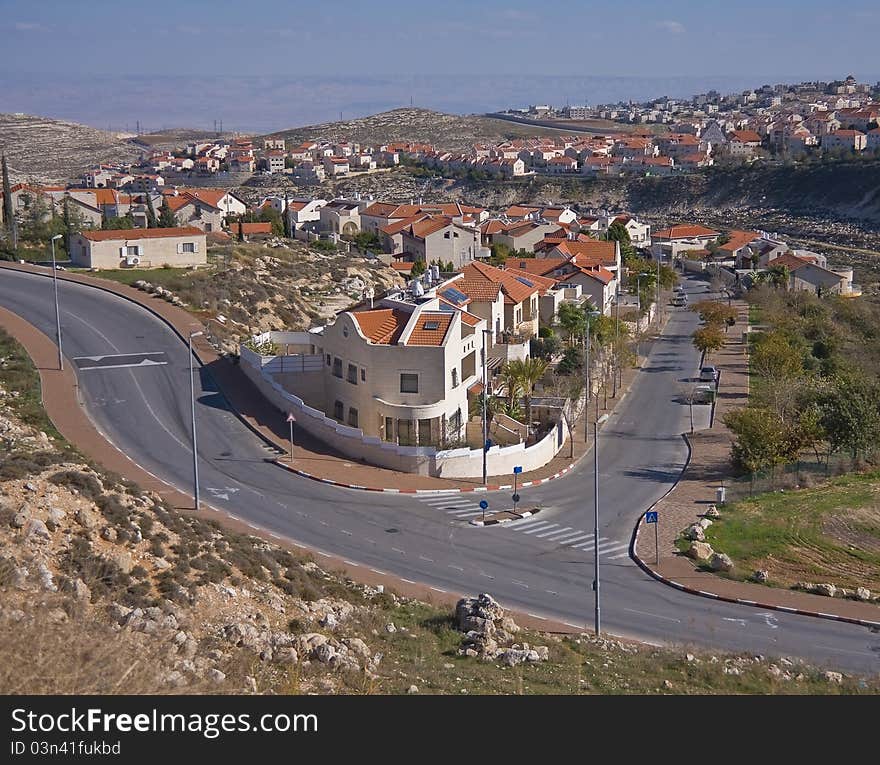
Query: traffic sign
[291, 418]
[483, 504]
[517, 469]
[487, 445]
[515, 497]
[651, 516]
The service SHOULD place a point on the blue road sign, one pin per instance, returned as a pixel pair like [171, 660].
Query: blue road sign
[651, 516]
[483, 504]
[487, 445]
[515, 497]
[517, 469]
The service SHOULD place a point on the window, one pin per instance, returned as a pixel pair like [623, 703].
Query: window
[363, 375]
[337, 368]
[131, 251]
[352, 374]
[352, 416]
[455, 377]
[455, 422]
[389, 428]
[446, 235]
[189, 247]
[432, 325]
[338, 410]
[409, 383]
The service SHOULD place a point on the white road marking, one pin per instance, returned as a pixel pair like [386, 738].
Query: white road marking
[347, 533]
[542, 527]
[376, 571]
[457, 568]
[528, 523]
[488, 576]
[437, 589]
[622, 555]
[554, 532]
[656, 616]
[568, 539]
[397, 549]
[469, 511]
[604, 549]
[521, 584]
[422, 557]
[584, 545]
[535, 616]
[350, 562]
[740, 622]
[439, 501]
[408, 581]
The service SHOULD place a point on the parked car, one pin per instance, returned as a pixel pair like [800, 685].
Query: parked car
[704, 394]
[708, 374]
[680, 300]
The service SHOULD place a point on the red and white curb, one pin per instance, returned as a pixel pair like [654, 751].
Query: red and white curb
[725, 598]
[496, 521]
[422, 492]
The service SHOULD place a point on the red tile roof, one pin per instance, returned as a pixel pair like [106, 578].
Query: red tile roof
[431, 328]
[382, 326]
[126, 234]
[685, 231]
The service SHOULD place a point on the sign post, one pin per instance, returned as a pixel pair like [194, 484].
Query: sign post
[483, 506]
[516, 471]
[652, 516]
[292, 420]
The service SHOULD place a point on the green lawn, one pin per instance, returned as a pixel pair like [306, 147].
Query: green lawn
[830, 533]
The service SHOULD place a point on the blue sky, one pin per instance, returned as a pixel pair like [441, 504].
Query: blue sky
[271, 64]
[675, 37]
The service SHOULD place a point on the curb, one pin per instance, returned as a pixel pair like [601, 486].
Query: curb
[495, 522]
[423, 492]
[724, 598]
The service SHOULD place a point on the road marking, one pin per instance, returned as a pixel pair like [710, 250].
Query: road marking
[422, 557]
[576, 626]
[612, 547]
[376, 571]
[457, 568]
[555, 531]
[521, 584]
[437, 589]
[622, 555]
[348, 533]
[520, 526]
[371, 541]
[568, 539]
[488, 576]
[656, 616]
[740, 622]
[541, 527]
[397, 549]
[440, 501]
[350, 562]
[408, 581]
[846, 650]
[469, 511]
[584, 545]
[535, 616]
[121, 360]
[551, 592]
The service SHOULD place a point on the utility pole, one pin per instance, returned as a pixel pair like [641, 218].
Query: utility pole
[616, 369]
[485, 412]
[596, 424]
[192, 391]
[57, 307]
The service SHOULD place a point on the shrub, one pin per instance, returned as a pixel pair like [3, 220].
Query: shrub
[85, 483]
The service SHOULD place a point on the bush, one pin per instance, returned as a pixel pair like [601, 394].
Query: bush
[85, 483]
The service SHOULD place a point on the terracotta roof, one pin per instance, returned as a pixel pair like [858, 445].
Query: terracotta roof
[594, 248]
[470, 319]
[745, 136]
[543, 283]
[536, 266]
[125, 234]
[685, 231]
[251, 228]
[395, 228]
[739, 239]
[598, 273]
[791, 261]
[402, 267]
[481, 282]
[429, 225]
[382, 326]
[431, 328]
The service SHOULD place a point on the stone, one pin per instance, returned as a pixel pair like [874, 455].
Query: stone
[123, 560]
[20, 519]
[56, 515]
[863, 593]
[390, 628]
[690, 657]
[324, 653]
[826, 589]
[667, 684]
[30, 486]
[86, 518]
[357, 647]
[108, 533]
[189, 648]
[760, 576]
[216, 676]
[509, 625]
[286, 655]
[704, 522]
[533, 656]
[37, 531]
[47, 581]
[699, 551]
[175, 679]
[695, 532]
[543, 652]
[720, 562]
[412, 689]
[833, 677]
[329, 621]
[712, 512]
[513, 656]
[250, 684]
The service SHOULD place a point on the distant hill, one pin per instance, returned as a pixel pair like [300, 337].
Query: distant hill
[47, 150]
[446, 131]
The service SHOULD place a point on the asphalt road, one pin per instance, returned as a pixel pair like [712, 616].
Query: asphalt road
[543, 566]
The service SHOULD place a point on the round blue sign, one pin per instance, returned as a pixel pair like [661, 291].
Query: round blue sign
[483, 504]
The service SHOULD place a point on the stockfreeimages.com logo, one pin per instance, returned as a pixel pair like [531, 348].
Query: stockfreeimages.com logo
[209, 725]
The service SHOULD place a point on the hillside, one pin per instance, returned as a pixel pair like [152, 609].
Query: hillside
[447, 131]
[53, 151]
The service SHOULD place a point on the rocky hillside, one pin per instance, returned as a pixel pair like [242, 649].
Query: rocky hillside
[54, 151]
[118, 592]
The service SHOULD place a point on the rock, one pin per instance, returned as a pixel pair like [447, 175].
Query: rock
[720, 562]
[543, 652]
[30, 486]
[412, 689]
[175, 679]
[863, 593]
[250, 684]
[829, 590]
[699, 551]
[509, 625]
[833, 677]
[704, 522]
[216, 676]
[712, 512]
[324, 653]
[20, 519]
[760, 576]
[667, 684]
[242, 634]
[695, 532]
[189, 648]
[286, 655]
[36, 531]
[358, 647]
[56, 515]
[86, 518]
[513, 656]
[689, 656]
[108, 533]
[533, 656]
[390, 628]
[47, 581]
[123, 560]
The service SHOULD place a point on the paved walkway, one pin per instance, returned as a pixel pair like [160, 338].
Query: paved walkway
[708, 467]
[311, 457]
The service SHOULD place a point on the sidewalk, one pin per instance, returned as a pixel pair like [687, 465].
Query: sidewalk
[312, 458]
[708, 466]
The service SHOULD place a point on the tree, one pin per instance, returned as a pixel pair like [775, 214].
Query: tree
[572, 360]
[418, 268]
[527, 373]
[715, 313]
[780, 365]
[152, 221]
[573, 320]
[240, 231]
[850, 417]
[707, 339]
[545, 347]
[166, 216]
[760, 439]
[112, 223]
[500, 253]
[617, 233]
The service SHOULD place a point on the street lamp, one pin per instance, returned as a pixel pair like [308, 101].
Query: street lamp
[485, 412]
[57, 309]
[587, 343]
[616, 369]
[192, 391]
[596, 425]
[639, 318]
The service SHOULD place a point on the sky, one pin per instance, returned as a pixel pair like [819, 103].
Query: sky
[54, 50]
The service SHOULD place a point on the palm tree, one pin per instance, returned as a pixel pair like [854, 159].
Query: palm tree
[527, 373]
[510, 381]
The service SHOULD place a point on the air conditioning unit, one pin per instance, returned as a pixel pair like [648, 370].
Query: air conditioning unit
[133, 260]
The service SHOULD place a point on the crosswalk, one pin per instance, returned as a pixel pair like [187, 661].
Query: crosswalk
[459, 507]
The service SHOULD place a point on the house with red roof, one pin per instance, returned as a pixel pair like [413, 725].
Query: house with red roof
[438, 238]
[204, 208]
[670, 243]
[844, 140]
[180, 247]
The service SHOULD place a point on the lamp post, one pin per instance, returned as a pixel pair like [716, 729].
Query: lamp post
[57, 309]
[616, 369]
[639, 318]
[596, 425]
[192, 396]
[485, 412]
[587, 344]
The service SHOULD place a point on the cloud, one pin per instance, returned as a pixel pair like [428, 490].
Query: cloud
[673, 27]
[28, 26]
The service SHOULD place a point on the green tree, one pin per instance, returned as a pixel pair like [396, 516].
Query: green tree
[573, 319]
[617, 233]
[166, 216]
[418, 268]
[714, 312]
[527, 373]
[500, 253]
[152, 221]
[113, 223]
[545, 347]
[707, 339]
[761, 441]
[572, 360]
[850, 417]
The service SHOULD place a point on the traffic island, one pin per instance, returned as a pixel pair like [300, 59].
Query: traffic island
[504, 516]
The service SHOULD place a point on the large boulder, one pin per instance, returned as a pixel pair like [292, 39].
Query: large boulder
[829, 590]
[695, 532]
[863, 593]
[699, 551]
[37, 531]
[720, 562]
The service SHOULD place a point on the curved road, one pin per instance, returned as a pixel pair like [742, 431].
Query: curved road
[543, 566]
